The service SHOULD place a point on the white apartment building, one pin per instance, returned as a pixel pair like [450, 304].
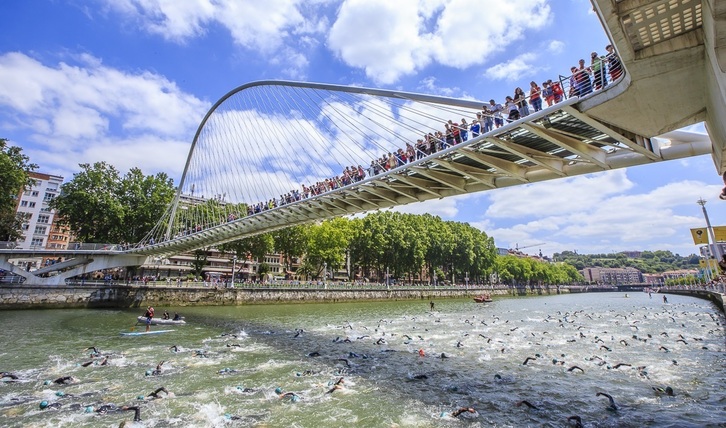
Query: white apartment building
[33, 203]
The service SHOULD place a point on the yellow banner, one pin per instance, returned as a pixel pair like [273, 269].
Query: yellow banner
[700, 235]
[711, 262]
[720, 232]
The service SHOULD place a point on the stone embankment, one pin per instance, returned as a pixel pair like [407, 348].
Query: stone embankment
[132, 296]
[715, 295]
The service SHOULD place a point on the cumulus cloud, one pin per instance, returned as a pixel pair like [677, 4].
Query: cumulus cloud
[82, 111]
[271, 27]
[514, 69]
[556, 46]
[389, 40]
[595, 213]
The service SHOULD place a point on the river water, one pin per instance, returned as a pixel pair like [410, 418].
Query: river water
[387, 383]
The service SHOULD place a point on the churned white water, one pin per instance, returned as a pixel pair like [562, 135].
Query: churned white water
[401, 365]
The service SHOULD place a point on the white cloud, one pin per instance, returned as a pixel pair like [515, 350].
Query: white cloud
[514, 69]
[596, 213]
[75, 113]
[389, 40]
[556, 46]
[444, 208]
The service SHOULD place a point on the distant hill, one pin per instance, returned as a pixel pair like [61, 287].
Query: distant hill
[647, 262]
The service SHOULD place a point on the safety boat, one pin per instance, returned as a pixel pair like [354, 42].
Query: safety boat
[484, 298]
[161, 321]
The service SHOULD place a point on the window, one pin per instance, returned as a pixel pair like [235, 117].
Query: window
[31, 205]
[48, 197]
[37, 242]
[45, 210]
[40, 230]
[43, 219]
[34, 193]
[23, 203]
[26, 226]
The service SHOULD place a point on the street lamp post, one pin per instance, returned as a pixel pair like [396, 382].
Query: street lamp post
[234, 268]
[325, 275]
[716, 247]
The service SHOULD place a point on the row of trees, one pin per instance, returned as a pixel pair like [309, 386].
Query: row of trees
[648, 261]
[406, 247]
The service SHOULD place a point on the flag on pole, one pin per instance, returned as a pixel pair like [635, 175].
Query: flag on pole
[720, 232]
[700, 235]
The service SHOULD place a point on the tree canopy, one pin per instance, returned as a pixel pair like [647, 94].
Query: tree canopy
[100, 205]
[648, 261]
[14, 169]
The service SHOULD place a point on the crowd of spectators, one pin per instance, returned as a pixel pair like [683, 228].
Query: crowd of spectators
[584, 80]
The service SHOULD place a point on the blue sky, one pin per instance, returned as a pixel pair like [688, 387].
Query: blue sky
[128, 81]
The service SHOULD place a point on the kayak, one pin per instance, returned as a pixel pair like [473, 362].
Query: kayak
[160, 321]
[143, 333]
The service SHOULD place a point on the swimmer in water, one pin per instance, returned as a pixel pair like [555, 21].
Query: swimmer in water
[292, 396]
[575, 368]
[458, 412]
[157, 371]
[336, 386]
[664, 391]
[95, 352]
[528, 404]
[575, 421]
[158, 391]
[612, 405]
[528, 360]
[65, 380]
[137, 412]
[44, 405]
[8, 375]
[665, 299]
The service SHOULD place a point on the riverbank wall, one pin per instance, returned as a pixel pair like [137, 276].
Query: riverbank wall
[716, 297]
[133, 296]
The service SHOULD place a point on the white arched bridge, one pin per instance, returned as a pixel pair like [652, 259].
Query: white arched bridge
[273, 154]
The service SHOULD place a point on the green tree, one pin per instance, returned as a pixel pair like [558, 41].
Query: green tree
[200, 260]
[14, 169]
[101, 206]
[256, 247]
[291, 242]
[89, 203]
[143, 199]
[327, 245]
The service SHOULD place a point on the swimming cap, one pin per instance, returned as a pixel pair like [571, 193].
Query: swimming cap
[47, 382]
[60, 393]
[278, 390]
[43, 404]
[140, 397]
[148, 373]
[295, 399]
[89, 409]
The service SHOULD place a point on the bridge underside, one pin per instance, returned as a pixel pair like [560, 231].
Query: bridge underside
[558, 142]
[674, 52]
[75, 264]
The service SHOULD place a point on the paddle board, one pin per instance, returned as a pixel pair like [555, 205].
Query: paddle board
[144, 333]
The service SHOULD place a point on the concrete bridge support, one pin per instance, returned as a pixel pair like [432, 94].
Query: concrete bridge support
[80, 264]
